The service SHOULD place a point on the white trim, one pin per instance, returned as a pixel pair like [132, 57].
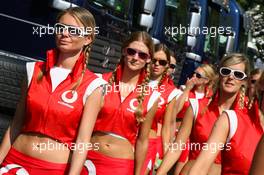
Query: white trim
[30, 70]
[58, 75]
[232, 123]
[176, 93]
[153, 98]
[90, 167]
[92, 86]
[7, 168]
[150, 164]
[195, 107]
[99, 75]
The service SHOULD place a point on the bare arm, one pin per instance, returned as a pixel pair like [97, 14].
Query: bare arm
[142, 140]
[16, 125]
[257, 167]
[168, 123]
[185, 95]
[218, 136]
[173, 154]
[91, 110]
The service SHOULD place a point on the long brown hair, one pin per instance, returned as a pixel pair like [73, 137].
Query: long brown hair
[147, 40]
[164, 48]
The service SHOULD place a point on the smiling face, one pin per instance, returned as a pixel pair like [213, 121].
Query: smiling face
[230, 84]
[159, 63]
[67, 43]
[133, 57]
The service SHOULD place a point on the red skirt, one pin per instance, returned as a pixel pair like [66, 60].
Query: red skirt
[19, 163]
[99, 164]
[151, 156]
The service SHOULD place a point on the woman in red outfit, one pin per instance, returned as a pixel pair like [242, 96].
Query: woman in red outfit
[124, 122]
[163, 121]
[194, 89]
[195, 125]
[59, 105]
[235, 133]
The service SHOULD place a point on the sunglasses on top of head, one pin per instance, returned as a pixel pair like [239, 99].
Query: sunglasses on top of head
[198, 75]
[161, 62]
[237, 74]
[132, 52]
[72, 30]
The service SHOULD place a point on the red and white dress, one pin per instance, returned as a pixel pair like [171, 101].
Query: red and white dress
[168, 93]
[243, 138]
[196, 96]
[117, 117]
[204, 119]
[53, 110]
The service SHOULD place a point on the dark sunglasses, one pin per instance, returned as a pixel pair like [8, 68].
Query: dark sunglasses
[253, 81]
[237, 74]
[172, 66]
[132, 52]
[161, 62]
[198, 75]
[72, 30]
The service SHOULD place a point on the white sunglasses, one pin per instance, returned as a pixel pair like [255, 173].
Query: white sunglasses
[237, 74]
[72, 30]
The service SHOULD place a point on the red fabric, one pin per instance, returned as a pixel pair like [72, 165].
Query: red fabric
[255, 115]
[165, 89]
[160, 147]
[119, 117]
[238, 159]
[186, 104]
[46, 111]
[151, 155]
[203, 125]
[31, 165]
[105, 165]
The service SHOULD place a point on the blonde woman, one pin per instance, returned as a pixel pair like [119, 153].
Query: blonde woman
[196, 123]
[59, 105]
[235, 134]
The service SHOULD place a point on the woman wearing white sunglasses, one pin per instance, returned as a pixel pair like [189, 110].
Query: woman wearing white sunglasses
[235, 132]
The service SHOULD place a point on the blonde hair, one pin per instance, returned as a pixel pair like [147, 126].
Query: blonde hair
[86, 18]
[210, 73]
[233, 59]
[147, 40]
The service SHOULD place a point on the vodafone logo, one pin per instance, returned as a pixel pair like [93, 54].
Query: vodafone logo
[69, 96]
[133, 105]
